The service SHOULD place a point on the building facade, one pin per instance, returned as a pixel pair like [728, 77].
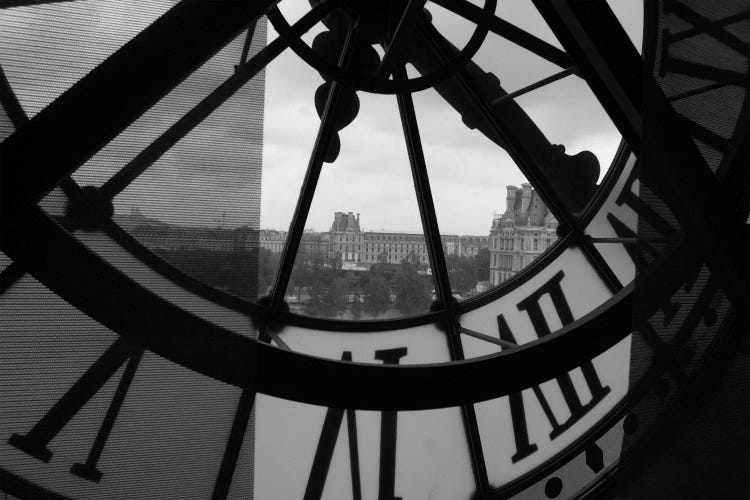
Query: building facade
[520, 234]
[393, 247]
[469, 246]
[346, 240]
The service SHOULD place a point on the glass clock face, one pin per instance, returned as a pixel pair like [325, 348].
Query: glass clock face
[338, 249]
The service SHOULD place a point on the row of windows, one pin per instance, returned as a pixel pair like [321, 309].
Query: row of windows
[396, 248]
[501, 276]
[526, 244]
[349, 238]
[392, 259]
[504, 262]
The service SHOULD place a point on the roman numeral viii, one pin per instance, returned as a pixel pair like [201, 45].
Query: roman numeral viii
[329, 434]
[532, 306]
[35, 442]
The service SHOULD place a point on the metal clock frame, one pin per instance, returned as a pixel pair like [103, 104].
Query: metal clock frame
[602, 54]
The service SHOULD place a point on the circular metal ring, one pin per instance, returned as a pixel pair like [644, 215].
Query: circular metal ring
[375, 84]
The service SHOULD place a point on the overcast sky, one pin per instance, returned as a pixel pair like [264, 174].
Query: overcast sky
[468, 173]
[205, 178]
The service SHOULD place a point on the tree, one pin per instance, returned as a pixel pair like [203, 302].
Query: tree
[483, 264]
[327, 296]
[302, 277]
[335, 261]
[462, 272]
[268, 263]
[413, 292]
[377, 295]
[356, 307]
[335, 297]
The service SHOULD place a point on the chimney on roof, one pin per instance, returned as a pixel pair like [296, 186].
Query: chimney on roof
[510, 198]
[337, 221]
[526, 198]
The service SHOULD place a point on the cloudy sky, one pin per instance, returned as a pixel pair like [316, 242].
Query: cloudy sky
[468, 172]
[205, 179]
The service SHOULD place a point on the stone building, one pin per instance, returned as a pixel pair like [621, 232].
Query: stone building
[272, 239]
[314, 247]
[520, 234]
[345, 237]
[395, 247]
[346, 240]
[469, 246]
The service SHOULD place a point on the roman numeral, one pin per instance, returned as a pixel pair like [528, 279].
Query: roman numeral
[388, 434]
[329, 434]
[35, 442]
[702, 26]
[705, 135]
[635, 246]
[721, 77]
[532, 306]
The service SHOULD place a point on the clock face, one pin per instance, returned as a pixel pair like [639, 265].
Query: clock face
[177, 327]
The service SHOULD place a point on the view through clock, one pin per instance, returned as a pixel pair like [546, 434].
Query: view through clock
[356, 249]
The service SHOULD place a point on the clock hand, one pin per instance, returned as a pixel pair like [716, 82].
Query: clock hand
[505, 123]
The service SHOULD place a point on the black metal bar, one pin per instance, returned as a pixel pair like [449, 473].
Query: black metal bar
[424, 195]
[605, 56]
[508, 31]
[600, 265]
[234, 444]
[10, 275]
[702, 24]
[732, 171]
[324, 453]
[629, 241]
[243, 73]
[10, 103]
[80, 121]
[351, 428]
[541, 83]
[247, 44]
[523, 140]
[488, 338]
[21, 487]
[439, 270]
[35, 441]
[307, 191]
[704, 134]
[399, 37]
[7, 4]
[279, 342]
[523, 157]
[88, 470]
[18, 117]
[167, 271]
[703, 71]
[707, 88]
